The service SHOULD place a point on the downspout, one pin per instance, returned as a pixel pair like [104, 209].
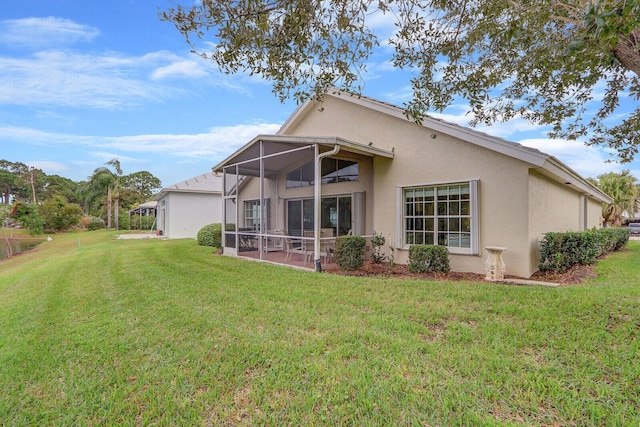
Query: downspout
[316, 201]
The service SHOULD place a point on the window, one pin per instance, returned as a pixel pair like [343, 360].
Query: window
[333, 170]
[252, 214]
[302, 176]
[335, 213]
[441, 215]
[336, 170]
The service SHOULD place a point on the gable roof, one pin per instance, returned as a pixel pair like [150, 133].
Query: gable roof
[205, 183]
[544, 163]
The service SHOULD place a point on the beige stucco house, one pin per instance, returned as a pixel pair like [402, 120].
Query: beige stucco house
[356, 165]
[187, 206]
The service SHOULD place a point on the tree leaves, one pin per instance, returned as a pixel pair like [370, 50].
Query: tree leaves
[543, 61]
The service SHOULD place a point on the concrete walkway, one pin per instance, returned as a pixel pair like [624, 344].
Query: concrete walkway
[137, 236]
[526, 282]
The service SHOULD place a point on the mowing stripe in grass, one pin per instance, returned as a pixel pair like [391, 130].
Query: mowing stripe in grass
[164, 332]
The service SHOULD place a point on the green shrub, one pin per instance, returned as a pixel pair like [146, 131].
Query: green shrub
[124, 221]
[377, 242]
[350, 252]
[27, 215]
[561, 251]
[428, 258]
[58, 215]
[96, 223]
[211, 235]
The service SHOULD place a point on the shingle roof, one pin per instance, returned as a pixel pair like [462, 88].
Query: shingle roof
[205, 183]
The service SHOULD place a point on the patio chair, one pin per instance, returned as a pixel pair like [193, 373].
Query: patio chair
[296, 246]
[274, 244]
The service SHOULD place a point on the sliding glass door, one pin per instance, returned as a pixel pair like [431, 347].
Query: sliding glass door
[299, 216]
[335, 214]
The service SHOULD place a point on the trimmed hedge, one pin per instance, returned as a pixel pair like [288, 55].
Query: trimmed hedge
[350, 252]
[211, 235]
[428, 258]
[561, 251]
[124, 221]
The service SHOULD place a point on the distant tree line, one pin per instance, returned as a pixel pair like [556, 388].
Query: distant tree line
[42, 202]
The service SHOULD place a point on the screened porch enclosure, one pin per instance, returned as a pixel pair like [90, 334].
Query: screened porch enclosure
[267, 209]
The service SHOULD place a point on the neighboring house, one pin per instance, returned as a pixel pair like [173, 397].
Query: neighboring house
[184, 208]
[436, 183]
[145, 209]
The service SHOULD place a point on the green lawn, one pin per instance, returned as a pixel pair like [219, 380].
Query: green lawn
[95, 331]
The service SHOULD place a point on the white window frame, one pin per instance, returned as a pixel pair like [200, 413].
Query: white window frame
[255, 209]
[474, 248]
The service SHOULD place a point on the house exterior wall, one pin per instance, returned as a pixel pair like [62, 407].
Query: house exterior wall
[503, 181]
[185, 213]
[556, 207]
[553, 208]
[594, 214]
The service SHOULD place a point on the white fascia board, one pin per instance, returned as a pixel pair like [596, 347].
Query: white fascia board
[293, 118]
[219, 166]
[568, 176]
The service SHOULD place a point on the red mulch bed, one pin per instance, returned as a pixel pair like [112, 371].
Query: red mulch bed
[575, 275]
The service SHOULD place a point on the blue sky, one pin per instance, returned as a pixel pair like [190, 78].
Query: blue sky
[85, 82]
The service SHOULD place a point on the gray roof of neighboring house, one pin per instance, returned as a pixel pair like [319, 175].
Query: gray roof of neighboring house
[204, 183]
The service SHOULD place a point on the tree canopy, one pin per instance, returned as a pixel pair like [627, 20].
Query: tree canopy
[563, 63]
[57, 199]
[143, 183]
[625, 192]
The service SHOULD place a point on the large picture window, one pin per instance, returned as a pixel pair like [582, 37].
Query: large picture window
[443, 215]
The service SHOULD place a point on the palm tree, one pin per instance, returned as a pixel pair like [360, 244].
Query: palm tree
[104, 180]
[623, 189]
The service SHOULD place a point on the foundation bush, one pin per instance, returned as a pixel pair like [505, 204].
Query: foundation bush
[211, 235]
[428, 258]
[561, 251]
[350, 252]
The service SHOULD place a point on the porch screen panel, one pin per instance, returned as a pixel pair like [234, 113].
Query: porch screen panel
[231, 180]
[252, 214]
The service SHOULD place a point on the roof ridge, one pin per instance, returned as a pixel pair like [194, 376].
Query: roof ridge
[337, 92]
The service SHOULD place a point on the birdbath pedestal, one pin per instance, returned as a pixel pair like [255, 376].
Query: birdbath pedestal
[494, 266]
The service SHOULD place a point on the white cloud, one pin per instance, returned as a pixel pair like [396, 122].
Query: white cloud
[180, 69]
[110, 81]
[48, 167]
[36, 33]
[76, 80]
[218, 143]
[215, 144]
[588, 161]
